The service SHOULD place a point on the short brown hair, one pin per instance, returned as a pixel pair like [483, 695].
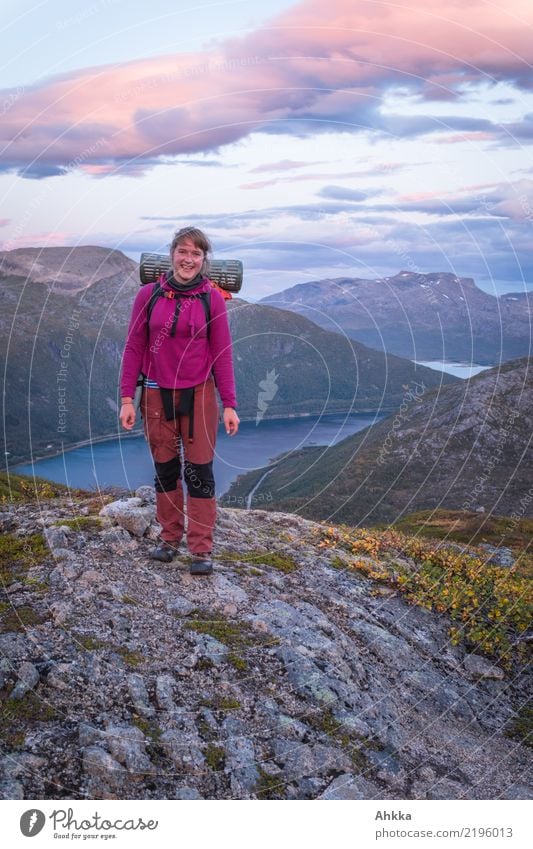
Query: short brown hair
[199, 240]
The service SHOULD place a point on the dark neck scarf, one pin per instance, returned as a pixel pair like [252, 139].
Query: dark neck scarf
[184, 287]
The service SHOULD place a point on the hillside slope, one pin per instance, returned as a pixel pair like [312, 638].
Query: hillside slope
[302, 669]
[467, 446]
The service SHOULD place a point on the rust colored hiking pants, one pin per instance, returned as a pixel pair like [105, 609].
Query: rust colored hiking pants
[167, 440]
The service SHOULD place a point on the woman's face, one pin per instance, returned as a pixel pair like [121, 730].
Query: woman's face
[187, 260]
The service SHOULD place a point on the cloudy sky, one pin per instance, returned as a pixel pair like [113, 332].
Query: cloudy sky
[319, 138]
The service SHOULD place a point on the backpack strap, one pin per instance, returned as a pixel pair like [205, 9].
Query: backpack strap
[157, 292]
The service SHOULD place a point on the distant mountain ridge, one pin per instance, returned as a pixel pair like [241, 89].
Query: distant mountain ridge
[61, 348]
[419, 316]
[68, 269]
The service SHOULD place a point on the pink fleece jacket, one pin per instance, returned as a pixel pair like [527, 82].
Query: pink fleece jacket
[187, 358]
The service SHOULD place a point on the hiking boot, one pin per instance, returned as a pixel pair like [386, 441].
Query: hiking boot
[201, 564]
[165, 551]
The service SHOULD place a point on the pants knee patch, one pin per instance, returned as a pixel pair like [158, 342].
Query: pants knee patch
[199, 479]
[167, 475]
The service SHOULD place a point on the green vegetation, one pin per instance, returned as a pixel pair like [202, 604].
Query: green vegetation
[149, 728]
[82, 523]
[232, 634]
[89, 643]
[132, 658]
[31, 707]
[473, 529]
[222, 703]
[238, 662]
[275, 559]
[18, 715]
[349, 740]
[18, 618]
[22, 488]
[269, 786]
[215, 757]
[521, 727]
[18, 554]
[491, 605]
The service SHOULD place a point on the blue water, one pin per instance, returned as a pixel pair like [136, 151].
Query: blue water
[463, 370]
[126, 462]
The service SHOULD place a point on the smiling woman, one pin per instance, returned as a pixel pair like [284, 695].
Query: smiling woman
[179, 340]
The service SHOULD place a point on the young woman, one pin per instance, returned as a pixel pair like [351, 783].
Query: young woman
[182, 356]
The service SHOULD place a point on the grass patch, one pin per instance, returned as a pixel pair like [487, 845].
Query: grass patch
[233, 634]
[491, 606]
[28, 709]
[215, 757]
[269, 786]
[237, 662]
[132, 658]
[149, 728]
[18, 554]
[22, 488]
[19, 618]
[282, 562]
[222, 703]
[81, 523]
[471, 528]
[89, 643]
[128, 599]
[521, 727]
[349, 740]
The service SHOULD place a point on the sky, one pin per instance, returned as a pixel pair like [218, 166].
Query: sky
[313, 139]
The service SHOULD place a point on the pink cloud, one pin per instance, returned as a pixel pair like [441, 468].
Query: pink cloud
[457, 138]
[320, 65]
[325, 175]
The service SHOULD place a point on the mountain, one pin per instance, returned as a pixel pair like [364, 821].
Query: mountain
[303, 668]
[61, 350]
[310, 370]
[65, 269]
[434, 316]
[466, 446]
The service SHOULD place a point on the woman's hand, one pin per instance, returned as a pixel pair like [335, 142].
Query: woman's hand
[127, 415]
[231, 421]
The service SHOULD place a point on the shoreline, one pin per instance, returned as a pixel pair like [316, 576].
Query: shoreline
[139, 433]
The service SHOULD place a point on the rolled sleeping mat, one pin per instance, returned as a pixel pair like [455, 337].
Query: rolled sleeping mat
[226, 273]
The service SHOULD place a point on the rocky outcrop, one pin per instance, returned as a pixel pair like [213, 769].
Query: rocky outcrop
[279, 676]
